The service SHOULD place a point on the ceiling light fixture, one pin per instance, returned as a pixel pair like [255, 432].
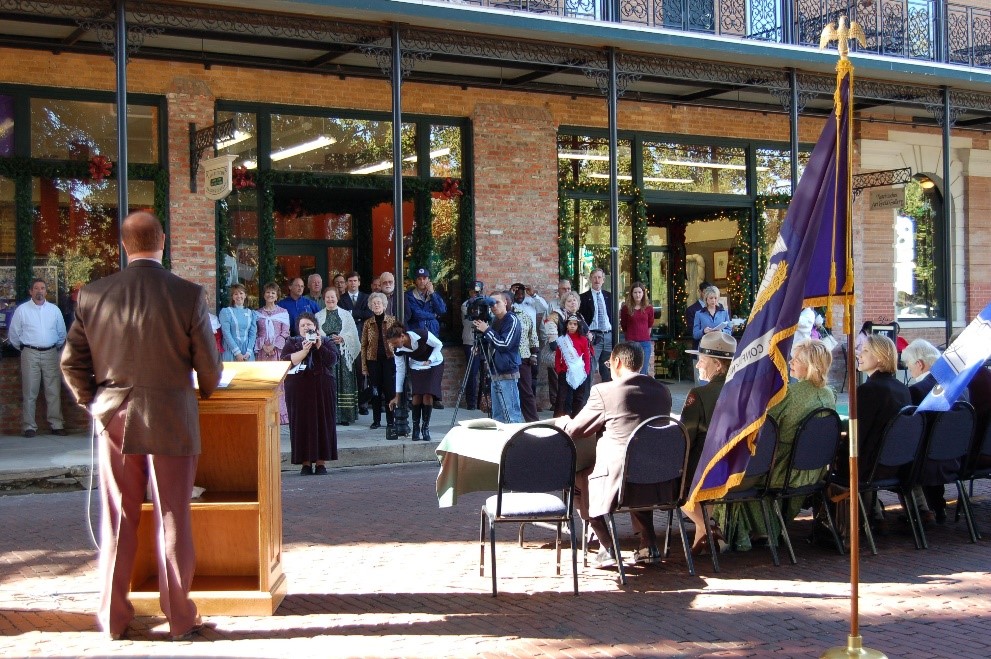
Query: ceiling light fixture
[305, 147]
[239, 136]
[646, 179]
[386, 165]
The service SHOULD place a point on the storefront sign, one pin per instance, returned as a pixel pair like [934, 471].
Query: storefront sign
[219, 180]
[887, 198]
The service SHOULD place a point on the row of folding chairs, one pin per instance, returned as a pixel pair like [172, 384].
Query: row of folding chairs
[540, 459]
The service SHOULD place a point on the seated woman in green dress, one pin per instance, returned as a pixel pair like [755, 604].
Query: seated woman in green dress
[809, 365]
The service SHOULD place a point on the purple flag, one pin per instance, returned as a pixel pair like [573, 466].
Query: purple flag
[808, 264]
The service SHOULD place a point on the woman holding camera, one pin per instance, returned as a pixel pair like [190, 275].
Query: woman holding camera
[418, 353]
[378, 364]
[338, 325]
[310, 396]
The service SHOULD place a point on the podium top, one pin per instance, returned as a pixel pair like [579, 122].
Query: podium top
[251, 378]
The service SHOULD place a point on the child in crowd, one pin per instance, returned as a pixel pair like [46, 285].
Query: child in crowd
[573, 364]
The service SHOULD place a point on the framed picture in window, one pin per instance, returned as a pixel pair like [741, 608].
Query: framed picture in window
[720, 264]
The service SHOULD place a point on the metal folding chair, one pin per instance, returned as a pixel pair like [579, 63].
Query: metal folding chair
[536, 461]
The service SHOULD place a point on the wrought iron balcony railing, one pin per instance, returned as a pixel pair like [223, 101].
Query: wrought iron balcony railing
[929, 30]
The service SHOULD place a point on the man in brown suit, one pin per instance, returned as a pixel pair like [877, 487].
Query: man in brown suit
[137, 337]
[615, 409]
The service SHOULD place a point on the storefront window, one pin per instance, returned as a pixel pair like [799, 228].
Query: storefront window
[241, 258]
[708, 248]
[244, 143]
[918, 254]
[591, 219]
[78, 130]
[6, 126]
[76, 236]
[774, 169]
[8, 221]
[584, 160]
[338, 146]
[702, 168]
[445, 151]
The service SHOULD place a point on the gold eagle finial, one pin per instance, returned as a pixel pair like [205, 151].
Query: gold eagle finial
[842, 35]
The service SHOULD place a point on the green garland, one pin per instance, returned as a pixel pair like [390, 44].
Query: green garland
[422, 249]
[466, 238]
[641, 265]
[23, 170]
[225, 230]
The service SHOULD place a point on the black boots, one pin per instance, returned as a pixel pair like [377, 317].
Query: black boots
[425, 431]
[417, 411]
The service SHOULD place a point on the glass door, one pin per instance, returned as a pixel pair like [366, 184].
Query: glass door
[658, 286]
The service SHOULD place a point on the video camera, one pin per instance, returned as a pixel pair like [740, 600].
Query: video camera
[480, 308]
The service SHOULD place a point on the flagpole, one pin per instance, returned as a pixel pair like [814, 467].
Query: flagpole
[854, 646]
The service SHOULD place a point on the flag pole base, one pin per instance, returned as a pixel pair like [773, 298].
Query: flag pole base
[854, 648]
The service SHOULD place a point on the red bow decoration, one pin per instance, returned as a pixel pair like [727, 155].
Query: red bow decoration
[242, 179]
[99, 168]
[450, 189]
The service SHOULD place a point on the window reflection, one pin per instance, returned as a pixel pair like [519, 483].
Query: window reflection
[774, 169]
[8, 221]
[6, 126]
[445, 151]
[585, 160]
[918, 255]
[591, 221]
[244, 143]
[695, 168]
[78, 130]
[76, 229]
[338, 146]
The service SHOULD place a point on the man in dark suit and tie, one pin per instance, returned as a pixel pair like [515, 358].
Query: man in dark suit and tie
[596, 309]
[615, 409]
[357, 303]
[137, 337]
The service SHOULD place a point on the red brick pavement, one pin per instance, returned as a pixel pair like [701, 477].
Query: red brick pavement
[376, 570]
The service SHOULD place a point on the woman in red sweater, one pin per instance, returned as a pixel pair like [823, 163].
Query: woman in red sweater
[636, 318]
[573, 364]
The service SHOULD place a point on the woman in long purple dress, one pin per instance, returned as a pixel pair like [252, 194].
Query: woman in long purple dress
[311, 396]
[273, 330]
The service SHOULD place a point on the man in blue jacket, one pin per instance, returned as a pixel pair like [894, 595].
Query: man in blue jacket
[502, 340]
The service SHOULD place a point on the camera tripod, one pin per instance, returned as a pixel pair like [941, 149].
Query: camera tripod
[478, 348]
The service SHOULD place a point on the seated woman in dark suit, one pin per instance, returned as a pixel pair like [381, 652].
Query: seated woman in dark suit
[878, 400]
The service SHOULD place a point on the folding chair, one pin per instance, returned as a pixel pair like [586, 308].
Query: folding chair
[537, 460]
[978, 466]
[813, 449]
[898, 451]
[656, 456]
[757, 479]
[948, 444]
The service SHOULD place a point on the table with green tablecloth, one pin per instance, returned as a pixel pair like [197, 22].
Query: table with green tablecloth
[469, 459]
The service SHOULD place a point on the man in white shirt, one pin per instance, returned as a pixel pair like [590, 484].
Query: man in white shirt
[37, 329]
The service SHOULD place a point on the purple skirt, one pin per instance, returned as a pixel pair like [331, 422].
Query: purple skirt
[427, 381]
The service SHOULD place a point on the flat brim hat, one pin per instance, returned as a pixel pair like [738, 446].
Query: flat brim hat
[719, 345]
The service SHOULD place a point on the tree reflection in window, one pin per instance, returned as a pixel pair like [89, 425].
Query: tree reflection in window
[918, 255]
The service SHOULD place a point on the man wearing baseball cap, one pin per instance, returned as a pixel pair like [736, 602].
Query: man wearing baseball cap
[424, 308]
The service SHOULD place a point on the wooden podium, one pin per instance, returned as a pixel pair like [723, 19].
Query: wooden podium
[237, 523]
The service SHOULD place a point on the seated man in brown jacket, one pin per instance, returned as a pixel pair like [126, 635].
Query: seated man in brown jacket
[615, 409]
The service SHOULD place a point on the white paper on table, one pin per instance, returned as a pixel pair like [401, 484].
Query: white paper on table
[226, 377]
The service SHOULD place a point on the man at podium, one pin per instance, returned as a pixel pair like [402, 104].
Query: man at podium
[137, 337]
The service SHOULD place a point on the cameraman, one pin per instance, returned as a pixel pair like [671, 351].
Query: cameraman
[468, 341]
[503, 337]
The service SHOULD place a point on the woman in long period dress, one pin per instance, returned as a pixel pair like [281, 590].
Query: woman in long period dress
[310, 397]
[237, 326]
[273, 330]
[339, 326]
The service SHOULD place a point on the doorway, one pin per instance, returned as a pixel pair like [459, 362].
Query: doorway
[329, 231]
